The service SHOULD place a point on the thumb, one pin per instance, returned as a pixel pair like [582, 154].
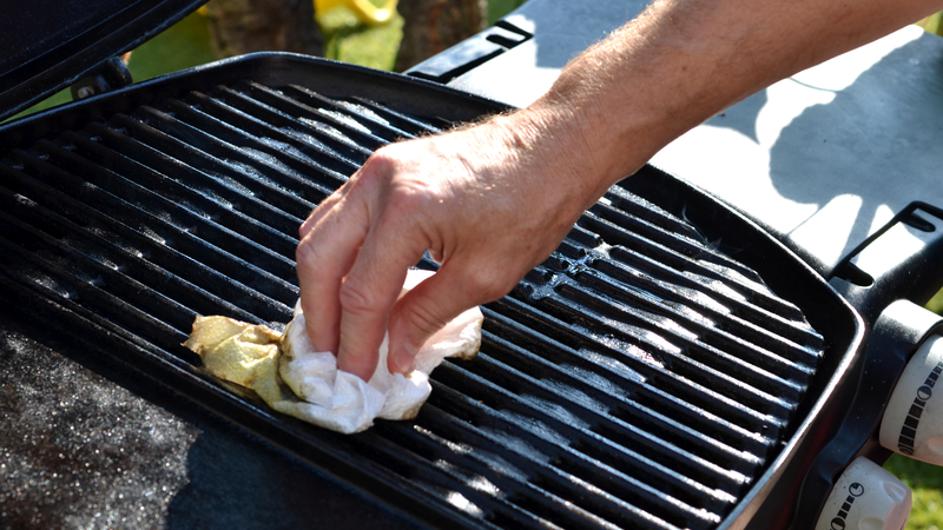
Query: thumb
[426, 309]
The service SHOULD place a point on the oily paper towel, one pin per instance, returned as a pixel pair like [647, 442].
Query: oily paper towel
[287, 373]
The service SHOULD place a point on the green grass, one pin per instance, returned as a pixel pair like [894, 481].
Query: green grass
[185, 44]
[188, 43]
[499, 8]
[927, 483]
[933, 23]
[347, 40]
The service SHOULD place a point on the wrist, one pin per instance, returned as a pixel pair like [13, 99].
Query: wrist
[575, 133]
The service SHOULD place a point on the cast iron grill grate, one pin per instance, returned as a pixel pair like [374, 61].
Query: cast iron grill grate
[638, 378]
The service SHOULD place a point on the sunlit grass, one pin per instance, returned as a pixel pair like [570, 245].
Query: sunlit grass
[499, 8]
[933, 23]
[927, 484]
[349, 41]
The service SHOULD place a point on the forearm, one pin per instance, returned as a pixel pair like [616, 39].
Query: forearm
[681, 61]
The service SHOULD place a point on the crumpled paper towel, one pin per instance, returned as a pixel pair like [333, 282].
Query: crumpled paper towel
[291, 377]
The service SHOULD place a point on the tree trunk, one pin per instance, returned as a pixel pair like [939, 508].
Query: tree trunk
[243, 26]
[433, 25]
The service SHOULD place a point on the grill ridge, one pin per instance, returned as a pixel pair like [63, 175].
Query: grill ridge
[642, 371]
[676, 455]
[640, 377]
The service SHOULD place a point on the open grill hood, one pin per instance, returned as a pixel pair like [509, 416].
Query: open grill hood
[48, 44]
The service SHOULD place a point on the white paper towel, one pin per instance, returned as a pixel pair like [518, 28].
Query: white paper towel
[342, 401]
[294, 379]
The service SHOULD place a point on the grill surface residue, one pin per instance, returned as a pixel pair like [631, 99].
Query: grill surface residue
[638, 378]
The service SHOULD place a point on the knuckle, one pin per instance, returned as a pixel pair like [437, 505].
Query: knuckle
[408, 197]
[421, 318]
[308, 224]
[357, 299]
[306, 253]
[383, 161]
[485, 285]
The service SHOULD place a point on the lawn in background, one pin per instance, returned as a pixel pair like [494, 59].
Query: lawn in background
[927, 483]
[187, 44]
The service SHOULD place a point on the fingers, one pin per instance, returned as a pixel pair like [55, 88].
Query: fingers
[323, 258]
[432, 304]
[323, 208]
[370, 290]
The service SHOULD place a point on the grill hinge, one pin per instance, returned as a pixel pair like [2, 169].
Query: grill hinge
[109, 75]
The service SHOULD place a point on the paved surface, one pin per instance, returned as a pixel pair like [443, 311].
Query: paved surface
[822, 159]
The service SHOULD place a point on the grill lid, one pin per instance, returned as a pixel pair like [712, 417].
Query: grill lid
[49, 44]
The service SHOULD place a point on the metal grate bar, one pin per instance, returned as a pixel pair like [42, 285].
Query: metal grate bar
[86, 289]
[622, 200]
[468, 440]
[81, 242]
[613, 235]
[375, 123]
[587, 404]
[315, 109]
[395, 116]
[641, 425]
[710, 330]
[700, 305]
[241, 176]
[680, 243]
[174, 192]
[232, 109]
[348, 129]
[794, 357]
[604, 355]
[632, 204]
[466, 395]
[140, 161]
[180, 240]
[290, 170]
[141, 203]
[750, 413]
[676, 328]
[737, 304]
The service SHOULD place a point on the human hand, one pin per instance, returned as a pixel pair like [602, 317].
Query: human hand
[489, 202]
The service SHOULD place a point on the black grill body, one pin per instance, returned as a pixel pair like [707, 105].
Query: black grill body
[670, 365]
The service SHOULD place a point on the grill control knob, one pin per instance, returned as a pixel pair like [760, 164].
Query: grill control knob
[913, 419]
[866, 497]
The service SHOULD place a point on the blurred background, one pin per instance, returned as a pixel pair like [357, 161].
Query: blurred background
[383, 34]
[393, 35]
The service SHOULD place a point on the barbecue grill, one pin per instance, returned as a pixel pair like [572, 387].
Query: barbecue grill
[673, 364]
